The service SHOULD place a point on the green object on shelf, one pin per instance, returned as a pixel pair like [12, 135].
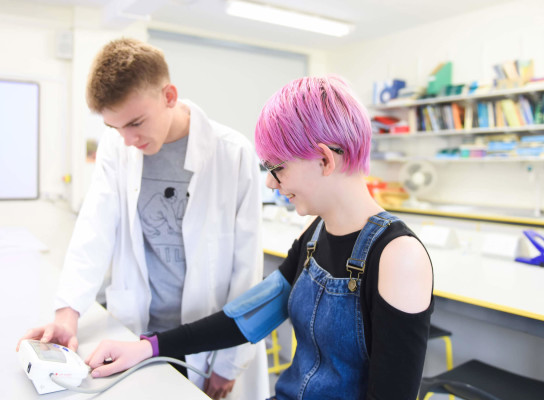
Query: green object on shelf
[452, 90]
[439, 78]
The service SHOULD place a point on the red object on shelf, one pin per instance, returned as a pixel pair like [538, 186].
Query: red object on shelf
[385, 119]
[373, 185]
[396, 129]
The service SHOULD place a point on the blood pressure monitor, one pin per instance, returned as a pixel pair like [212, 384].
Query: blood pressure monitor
[52, 367]
[43, 360]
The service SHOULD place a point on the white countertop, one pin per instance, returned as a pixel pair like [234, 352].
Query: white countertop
[461, 273]
[27, 288]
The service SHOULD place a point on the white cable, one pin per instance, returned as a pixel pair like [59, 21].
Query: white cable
[133, 369]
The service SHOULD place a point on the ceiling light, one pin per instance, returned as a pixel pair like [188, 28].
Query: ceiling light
[285, 17]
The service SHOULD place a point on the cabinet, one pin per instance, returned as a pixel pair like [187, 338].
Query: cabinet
[493, 166]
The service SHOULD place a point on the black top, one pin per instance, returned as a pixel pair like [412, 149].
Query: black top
[396, 341]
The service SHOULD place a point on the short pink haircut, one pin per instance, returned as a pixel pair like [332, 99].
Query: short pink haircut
[309, 111]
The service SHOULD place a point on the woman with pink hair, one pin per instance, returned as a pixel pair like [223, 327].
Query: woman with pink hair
[356, 285]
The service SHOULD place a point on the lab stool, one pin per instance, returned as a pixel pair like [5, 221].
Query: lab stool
[438, 333]
[475, 380]
[274, 350]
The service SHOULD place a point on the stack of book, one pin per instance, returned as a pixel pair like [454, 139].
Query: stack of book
[500, 113]
[497, 146]
[509, 113]
[514, 73]
[437, 117]
[386, 124]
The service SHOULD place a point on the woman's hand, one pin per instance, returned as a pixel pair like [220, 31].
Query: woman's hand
[111, 356]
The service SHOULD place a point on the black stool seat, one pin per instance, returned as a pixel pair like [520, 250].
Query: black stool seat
[475, 380]
[436, 332]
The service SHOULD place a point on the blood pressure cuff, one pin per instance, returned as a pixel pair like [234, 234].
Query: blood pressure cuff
[262, 308]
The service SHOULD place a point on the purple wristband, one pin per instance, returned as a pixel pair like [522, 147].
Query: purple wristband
[154, 343]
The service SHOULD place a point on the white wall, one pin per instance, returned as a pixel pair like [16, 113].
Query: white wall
[28, 53]
[28, 49]
[89, 37]
[474, 42]
[233, 91]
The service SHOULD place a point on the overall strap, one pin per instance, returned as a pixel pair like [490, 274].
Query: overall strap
[312, 244]
[368, 235]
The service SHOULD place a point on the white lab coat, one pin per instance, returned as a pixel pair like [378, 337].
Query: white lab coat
[221, 234]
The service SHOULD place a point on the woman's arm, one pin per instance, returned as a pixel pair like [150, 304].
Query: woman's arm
[214, 332]
[400, 320]
[211, 333]
[405, 275]
[207, 334]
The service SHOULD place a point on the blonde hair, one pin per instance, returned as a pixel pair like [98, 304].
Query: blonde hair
[122, 66]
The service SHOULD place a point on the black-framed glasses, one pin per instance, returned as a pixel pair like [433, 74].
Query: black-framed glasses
[337, 150]
[273, 169]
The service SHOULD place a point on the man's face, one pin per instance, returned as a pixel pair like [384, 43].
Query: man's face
[143, 119]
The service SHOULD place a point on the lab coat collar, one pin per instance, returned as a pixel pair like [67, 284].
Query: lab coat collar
[202, 140]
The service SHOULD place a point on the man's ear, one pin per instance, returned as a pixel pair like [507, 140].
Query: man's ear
[171, 95]
[327, 158]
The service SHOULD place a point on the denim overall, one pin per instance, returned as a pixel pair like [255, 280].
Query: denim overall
[331, 359]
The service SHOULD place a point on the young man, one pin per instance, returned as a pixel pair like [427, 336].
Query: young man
[174, 208]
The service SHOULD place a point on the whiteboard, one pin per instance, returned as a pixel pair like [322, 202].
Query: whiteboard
[19, 140]
[230, 81]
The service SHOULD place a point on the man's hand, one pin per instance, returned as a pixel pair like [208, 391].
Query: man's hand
[63, 330]
[113, 356]
[218, 387]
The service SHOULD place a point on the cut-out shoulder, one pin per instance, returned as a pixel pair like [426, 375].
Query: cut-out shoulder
[405, 275]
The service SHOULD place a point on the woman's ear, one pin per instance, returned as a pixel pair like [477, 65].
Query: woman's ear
[171, 95]
[327, 157]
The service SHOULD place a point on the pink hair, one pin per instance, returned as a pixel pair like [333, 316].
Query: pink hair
[309, 111]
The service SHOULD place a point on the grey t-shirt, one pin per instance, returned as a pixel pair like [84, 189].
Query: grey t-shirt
[161, 206]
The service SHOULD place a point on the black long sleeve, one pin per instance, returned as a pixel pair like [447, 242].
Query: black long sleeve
[396, 341]
[214, 332]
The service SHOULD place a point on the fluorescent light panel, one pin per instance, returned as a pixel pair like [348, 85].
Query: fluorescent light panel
[284, 17]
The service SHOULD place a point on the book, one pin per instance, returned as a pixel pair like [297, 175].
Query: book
[383, 123]
[448, 116]
[539, 110]
[440, 117]
[433, 118]
[412, 119]
[427, 118]
[525, 69]
[510, 70]
[421, 120]
[468, 117]
[520, 114]
[510, 112]
[490, 114]
[499, 116]
[526, 110]
[482, 114]
[456, 113]
[499, 71]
